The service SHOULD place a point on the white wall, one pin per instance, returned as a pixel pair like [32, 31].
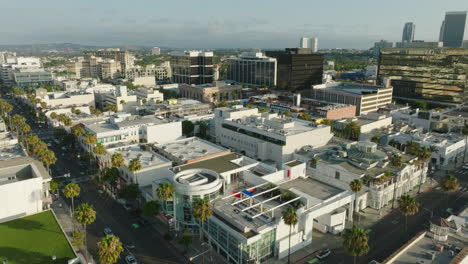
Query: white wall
[162, 133]
[20, 198]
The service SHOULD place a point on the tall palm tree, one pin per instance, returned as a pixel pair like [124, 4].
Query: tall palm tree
[100, 149]
[352, 130]
[30, 141]
[395, 160]
[290, 218]
[408, 205]
[423, 155]
[449, 183]
[78, 131]
[412, 147]
[202, 211]
[39, 148]
[465, 133]
[134, 166]
[165, 192]
[71, 191]
[356, 187]
[85, 215]
[109, 249]
[48, 158]
[356, 242]
[117, 160]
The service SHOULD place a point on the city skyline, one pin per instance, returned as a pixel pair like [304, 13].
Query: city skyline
[219, 25]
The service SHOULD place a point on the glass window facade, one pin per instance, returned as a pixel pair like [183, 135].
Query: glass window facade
[184, 205]
[237, 252]
[438, 75]
[259, 72]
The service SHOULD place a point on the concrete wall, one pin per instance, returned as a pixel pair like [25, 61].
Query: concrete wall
[163, 133]
[20, 198]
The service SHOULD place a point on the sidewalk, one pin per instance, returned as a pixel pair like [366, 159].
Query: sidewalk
[370, 216]
[63, 216]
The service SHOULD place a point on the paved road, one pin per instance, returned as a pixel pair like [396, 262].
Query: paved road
[389, 234]
[149, 246]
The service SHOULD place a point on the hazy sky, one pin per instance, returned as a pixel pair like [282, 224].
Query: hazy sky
[220, 23]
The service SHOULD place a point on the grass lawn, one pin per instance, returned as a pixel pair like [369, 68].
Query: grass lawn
[34, 239]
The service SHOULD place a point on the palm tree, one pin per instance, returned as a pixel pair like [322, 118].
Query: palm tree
[356, 241]
[449, 183]
[100, 149]
[78, 131]
[356, 187]
[39, 148]
[423, 155]
[395, 160]
[117, 160]
[48, 158]
[412, 147]
[408, 205]
[53, 186]
[71, 191]
[352, 131]
[109, 249]
[151, 208]
[89, 139]
[465, 133]
[30, 141]
[202, 211]
[85, 215]
[134, 166]
[165, 192]
[290, 218]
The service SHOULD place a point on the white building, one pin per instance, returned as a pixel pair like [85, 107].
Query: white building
[248, 197]
[155, 51]
[127, 128]
[24, 187]
[65, 99]
[367, 122]
[449, 148]
[304, 43]
[121, 98]
[339, 165]
[266, 136]
[252, 68]
[149, 95]
[153, 165]
[314, 44]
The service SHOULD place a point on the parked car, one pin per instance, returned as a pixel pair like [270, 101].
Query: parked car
[108, 231]
[131, 260]
[323, 254]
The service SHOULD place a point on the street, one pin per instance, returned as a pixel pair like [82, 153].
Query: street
[147, 245]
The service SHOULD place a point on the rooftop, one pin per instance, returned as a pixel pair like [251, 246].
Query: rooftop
[218, 164]
[350, 88]
[22, 168]
[190, 148]
[147, 158]
[11, 152]
[316, 189]
[423, 249]
[23, 240]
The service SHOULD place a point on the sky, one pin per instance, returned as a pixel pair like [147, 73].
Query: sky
[213, 24]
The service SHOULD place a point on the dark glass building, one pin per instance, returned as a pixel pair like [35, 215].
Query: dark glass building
[436, 75]
[297, 68]
[408, 32]
[192, 67]
[454, 29]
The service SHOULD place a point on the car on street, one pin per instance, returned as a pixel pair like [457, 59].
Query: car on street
[323, 254]
[131, 260]
[108, 231]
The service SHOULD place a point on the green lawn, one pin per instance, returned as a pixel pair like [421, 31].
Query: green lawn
[34, 239]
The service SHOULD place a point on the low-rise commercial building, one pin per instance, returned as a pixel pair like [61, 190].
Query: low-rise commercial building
[383, 179]
[366, 98]
[266, 136]
[24, 187]
[65, 99]
[252, 68]
[367, 122]
[211, 93]
[127, 128]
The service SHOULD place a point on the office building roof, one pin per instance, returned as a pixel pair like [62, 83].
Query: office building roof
[190, 148]
[350, 88]
[147, 158]
[218, 164]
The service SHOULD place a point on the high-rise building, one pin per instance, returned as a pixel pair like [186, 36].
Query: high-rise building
[454, 29]
[304, 43]
[124, 57]
[381, 45]
[297, 68]
[314, 44]
[437, 75]
[192, 67]
[252, 68]
[408, 32]
[441, 32]
[155, 51]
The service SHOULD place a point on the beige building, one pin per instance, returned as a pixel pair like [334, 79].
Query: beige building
[210, 93]
[95, 67]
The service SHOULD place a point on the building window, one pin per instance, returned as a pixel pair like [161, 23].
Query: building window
[337, 175]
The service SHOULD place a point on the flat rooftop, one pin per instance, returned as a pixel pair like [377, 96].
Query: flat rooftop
[21, 168]
[218, 164]
[147, 158]
[34, 239]
[190, 148]
[422, 248]
[312, 187]
[351, 88]
[11, 152]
